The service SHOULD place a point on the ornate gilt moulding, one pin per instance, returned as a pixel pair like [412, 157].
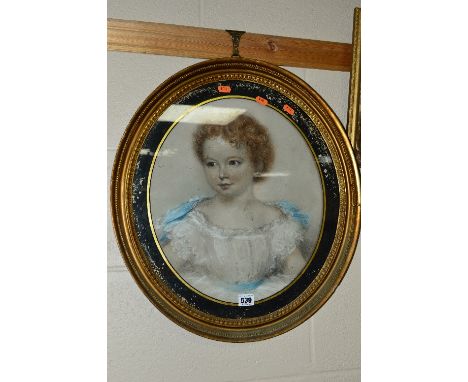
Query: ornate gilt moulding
[155, 171]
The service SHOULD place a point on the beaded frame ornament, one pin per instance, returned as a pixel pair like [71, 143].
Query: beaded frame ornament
[292, 99]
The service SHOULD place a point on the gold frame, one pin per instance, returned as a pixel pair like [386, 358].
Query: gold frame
[347, 231]
[354, 99]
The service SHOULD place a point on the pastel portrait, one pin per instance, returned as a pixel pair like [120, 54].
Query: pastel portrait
[236, 199]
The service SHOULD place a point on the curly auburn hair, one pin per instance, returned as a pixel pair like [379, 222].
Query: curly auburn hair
[244, 130]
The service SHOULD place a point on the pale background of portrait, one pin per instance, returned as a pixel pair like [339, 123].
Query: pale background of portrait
[143, 345]
[178, 174]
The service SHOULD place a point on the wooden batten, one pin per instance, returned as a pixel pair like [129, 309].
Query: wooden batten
[196, 42]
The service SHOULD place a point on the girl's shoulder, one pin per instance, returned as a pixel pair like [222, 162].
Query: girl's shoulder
[267, 212]
[182, 210]
[175, 216]
[289, 209]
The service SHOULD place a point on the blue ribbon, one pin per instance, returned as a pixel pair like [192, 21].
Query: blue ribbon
[177, 214]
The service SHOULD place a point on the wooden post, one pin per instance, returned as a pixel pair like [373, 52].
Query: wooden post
[354, 100]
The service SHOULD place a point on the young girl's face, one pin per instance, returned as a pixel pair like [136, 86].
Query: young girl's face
[228, 169]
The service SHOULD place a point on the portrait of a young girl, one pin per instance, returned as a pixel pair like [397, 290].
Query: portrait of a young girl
[226, 233]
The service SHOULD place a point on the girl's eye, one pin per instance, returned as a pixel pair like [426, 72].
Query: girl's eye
[210, 164]
[234, 162]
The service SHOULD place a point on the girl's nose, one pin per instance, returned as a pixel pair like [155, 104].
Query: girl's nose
[222, 172]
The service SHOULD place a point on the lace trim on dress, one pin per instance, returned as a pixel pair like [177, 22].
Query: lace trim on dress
[202, 221]
[181, 237]
[182, 226]
[284, 235]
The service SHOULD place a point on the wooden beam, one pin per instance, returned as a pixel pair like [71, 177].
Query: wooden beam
[184, 41]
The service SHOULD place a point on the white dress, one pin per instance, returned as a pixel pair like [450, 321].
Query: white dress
[223, 263]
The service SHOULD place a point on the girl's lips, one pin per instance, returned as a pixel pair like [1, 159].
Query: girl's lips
[224, 186]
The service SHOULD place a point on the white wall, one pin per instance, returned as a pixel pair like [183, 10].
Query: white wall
[142, 344]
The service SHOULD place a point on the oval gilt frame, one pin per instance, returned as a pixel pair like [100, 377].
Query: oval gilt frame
[141, 249]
